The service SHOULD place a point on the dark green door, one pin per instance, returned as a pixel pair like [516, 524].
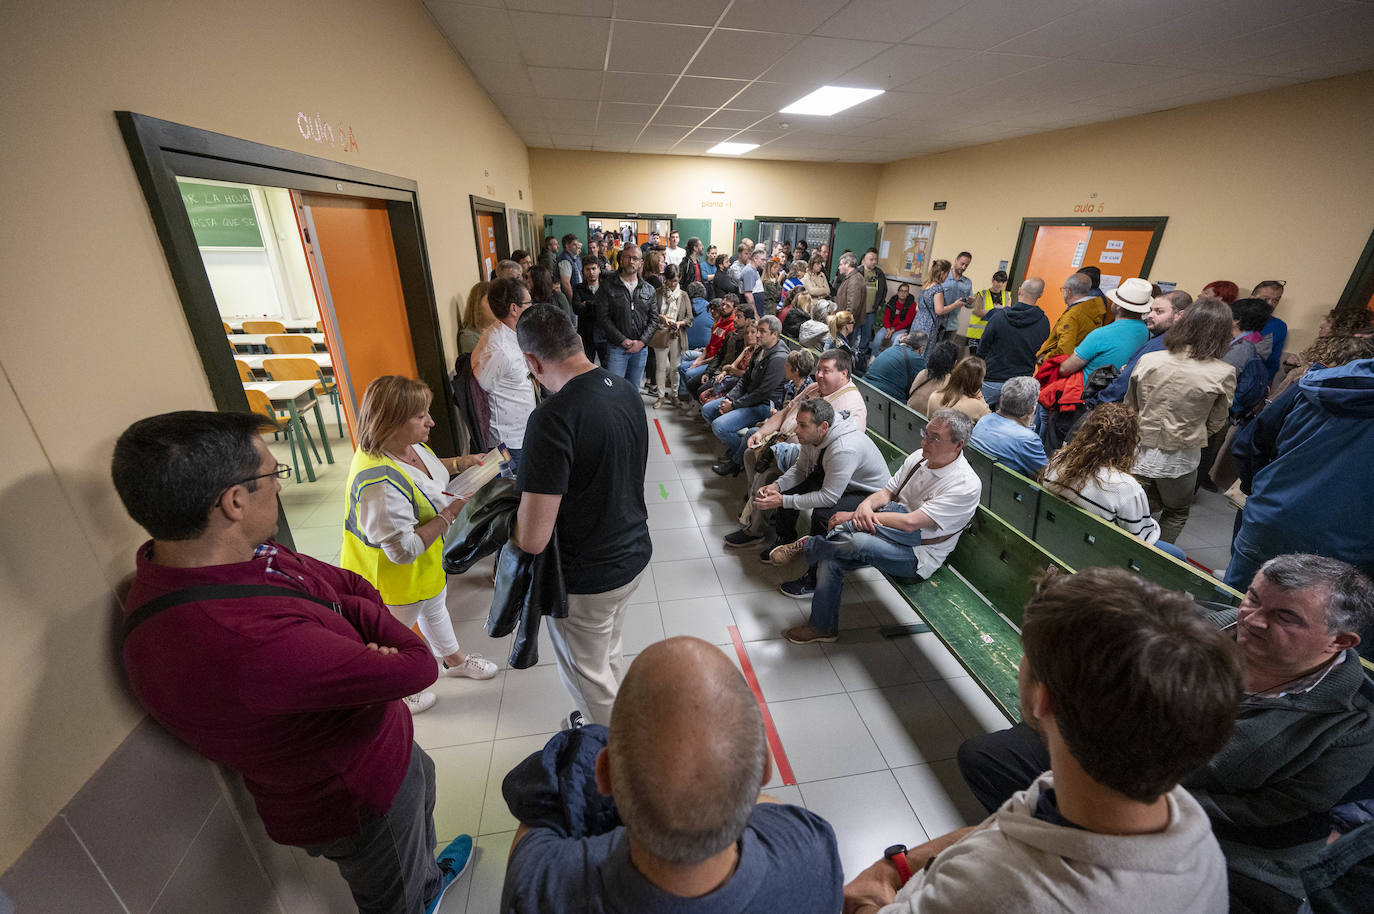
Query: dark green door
[693, 228]
[856, 236]
[744, 228]
[558, 226]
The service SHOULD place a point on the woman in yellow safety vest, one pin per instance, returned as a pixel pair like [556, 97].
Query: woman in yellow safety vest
[396, 517]
[984, 303]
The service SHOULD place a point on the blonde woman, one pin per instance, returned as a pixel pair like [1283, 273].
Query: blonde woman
[930, 307]
[674, 317]
[396, 518]
[475, 317]
[841, 324]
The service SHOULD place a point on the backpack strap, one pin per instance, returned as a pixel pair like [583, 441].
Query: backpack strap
[214, 592]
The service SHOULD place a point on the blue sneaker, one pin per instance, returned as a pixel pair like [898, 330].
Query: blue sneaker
[454, 861]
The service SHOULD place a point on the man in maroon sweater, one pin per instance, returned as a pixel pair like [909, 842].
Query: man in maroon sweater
[298, 686]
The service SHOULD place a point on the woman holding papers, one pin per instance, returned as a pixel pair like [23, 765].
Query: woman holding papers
[396, 517]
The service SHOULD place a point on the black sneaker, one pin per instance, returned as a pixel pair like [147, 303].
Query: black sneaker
[575, 720]
[742, 539]
[801, 587]
[727, 468]
[766, 556]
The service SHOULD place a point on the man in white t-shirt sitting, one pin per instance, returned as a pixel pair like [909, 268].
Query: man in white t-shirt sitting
[905, 529]
[1132, 689]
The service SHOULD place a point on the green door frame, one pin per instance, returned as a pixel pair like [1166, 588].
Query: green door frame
[1025, 240]
[1360, 287]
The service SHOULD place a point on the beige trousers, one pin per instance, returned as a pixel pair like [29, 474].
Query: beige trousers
[588, 649]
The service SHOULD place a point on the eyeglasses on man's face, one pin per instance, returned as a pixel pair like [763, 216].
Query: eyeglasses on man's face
[282, 471]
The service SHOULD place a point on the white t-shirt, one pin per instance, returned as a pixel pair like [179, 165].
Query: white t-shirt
[674, 255]
[949, 496]
[386, 515]
[1114, 496]
[500, 369]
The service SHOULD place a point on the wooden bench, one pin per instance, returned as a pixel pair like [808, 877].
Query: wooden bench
[973, 603]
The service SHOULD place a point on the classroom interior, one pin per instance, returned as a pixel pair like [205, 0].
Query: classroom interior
[433, 155]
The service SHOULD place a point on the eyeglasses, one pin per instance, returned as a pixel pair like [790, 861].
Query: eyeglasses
[282, 471]
[927, 435]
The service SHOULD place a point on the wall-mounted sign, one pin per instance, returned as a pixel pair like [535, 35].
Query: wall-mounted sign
[318, 130]
[1115, 245]
[1110, 257]
[716, 204]
[941, 204]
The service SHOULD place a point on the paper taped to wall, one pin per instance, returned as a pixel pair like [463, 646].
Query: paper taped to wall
[1110, 257]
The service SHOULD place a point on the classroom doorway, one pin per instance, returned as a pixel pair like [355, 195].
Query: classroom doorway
[1054, 249]
[358, 250]
[489, 227]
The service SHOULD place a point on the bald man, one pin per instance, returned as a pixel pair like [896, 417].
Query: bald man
[685, 827]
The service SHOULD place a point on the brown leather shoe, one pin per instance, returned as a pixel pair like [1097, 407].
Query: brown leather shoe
[788, 551]
[805, 634]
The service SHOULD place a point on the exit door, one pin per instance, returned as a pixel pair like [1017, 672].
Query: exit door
[1053, 250]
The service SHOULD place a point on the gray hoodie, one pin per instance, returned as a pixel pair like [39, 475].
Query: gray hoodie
[1016, 862]
[852, 462]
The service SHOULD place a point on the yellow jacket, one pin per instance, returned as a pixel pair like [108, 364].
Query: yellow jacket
[1077, 321]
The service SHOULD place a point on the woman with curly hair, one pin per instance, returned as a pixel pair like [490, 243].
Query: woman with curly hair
[1343, 334]
[1093, 471]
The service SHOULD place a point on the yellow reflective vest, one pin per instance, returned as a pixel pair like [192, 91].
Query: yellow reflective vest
[976, 324]
[398, 584]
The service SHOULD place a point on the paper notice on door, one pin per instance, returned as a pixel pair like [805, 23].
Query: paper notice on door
[1110, 257]
[1109, 282]
[1078, 253]
[884, 248]
[1115, 245]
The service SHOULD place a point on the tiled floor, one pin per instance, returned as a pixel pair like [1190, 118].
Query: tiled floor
[870, 726]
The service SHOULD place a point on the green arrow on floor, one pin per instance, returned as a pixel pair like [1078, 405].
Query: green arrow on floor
[663, 491]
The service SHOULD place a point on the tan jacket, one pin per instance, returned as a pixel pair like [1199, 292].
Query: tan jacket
[678, 307]
[850, 295]
[923, 387]
[1077, 321]
[1182, 401]
[847, 399]
[816, 285]
[973, 407]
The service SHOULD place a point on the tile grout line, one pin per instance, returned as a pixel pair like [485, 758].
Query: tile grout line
[98, 868]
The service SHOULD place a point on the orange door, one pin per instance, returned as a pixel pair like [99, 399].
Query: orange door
[1054, 257]
[486, 233]
[355, 253]
[1118, 252]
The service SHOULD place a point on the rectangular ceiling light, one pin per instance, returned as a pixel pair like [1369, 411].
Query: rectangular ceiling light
[731, 149]
[828, 100]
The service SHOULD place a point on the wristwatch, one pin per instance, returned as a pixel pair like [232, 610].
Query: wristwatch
[897, 854]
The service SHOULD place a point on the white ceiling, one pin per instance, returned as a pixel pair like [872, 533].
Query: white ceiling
[679, 76]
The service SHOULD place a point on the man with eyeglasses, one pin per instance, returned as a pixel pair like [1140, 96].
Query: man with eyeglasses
[906, 529]
[627, 313]
[288, 670]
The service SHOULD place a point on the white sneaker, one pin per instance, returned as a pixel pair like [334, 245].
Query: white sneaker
[420, 702]
[474, 666]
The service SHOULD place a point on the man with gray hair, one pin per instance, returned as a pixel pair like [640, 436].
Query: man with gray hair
[1006, 434]
[906, 529]
[665, 807]
[1304, 732]
[1011, 339]
[1084, 312]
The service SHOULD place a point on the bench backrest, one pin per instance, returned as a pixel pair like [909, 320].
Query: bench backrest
[1015, 499]
[879, 408]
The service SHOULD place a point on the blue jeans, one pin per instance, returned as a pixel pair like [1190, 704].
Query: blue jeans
[628, 365]
[1171, 549]
[844, 549]
[785, 454]
[992, 393]
[863, 334]
[728, 426]
[687, 377]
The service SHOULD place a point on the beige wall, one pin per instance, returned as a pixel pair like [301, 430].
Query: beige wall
[568, 182]
[1275, 185]
[94, 335]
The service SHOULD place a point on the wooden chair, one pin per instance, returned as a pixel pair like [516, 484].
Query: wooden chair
[264, 327]
[289, 343]
[258, 403]
[305, 370]
[227, 329]
[245, 373]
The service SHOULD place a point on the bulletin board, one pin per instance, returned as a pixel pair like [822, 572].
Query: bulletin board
[904, 250]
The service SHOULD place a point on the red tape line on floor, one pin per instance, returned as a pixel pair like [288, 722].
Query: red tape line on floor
[662, 437]
[774, 743]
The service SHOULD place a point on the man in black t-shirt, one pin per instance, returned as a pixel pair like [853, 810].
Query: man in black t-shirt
[582, 473]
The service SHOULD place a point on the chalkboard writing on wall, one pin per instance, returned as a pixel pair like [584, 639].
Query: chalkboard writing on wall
[222, 216]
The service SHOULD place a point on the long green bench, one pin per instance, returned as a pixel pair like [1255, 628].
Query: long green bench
[973, 603]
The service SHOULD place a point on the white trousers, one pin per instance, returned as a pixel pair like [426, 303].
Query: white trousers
[588, 649]
[434, 620]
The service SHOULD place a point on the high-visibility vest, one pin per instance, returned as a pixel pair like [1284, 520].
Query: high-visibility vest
[976, 324]
[398, 584]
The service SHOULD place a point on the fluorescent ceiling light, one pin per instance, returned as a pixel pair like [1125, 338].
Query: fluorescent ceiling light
[732, 149]
[827, 100]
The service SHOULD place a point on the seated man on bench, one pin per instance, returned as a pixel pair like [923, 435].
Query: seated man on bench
[906, 529]
[1130, 689]
[1304, 731]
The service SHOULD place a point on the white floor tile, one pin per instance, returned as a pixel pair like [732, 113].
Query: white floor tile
[683, 580]
[908, 724]
[679, 543]
[742, 572]
[865, 660]
[488, 874]
[534, 701]
[869, 812]
[787, 670]
[939, 796]
[928, 654]
[664, 492]
[824, 737]
[666, 516]
[968, 706]
[642, 626]
[505, 755]
[762, 616]
[707, 618]
[466, 712]
[460, 777]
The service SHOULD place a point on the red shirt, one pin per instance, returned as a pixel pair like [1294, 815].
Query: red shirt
[719, 331]
[283, 690]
